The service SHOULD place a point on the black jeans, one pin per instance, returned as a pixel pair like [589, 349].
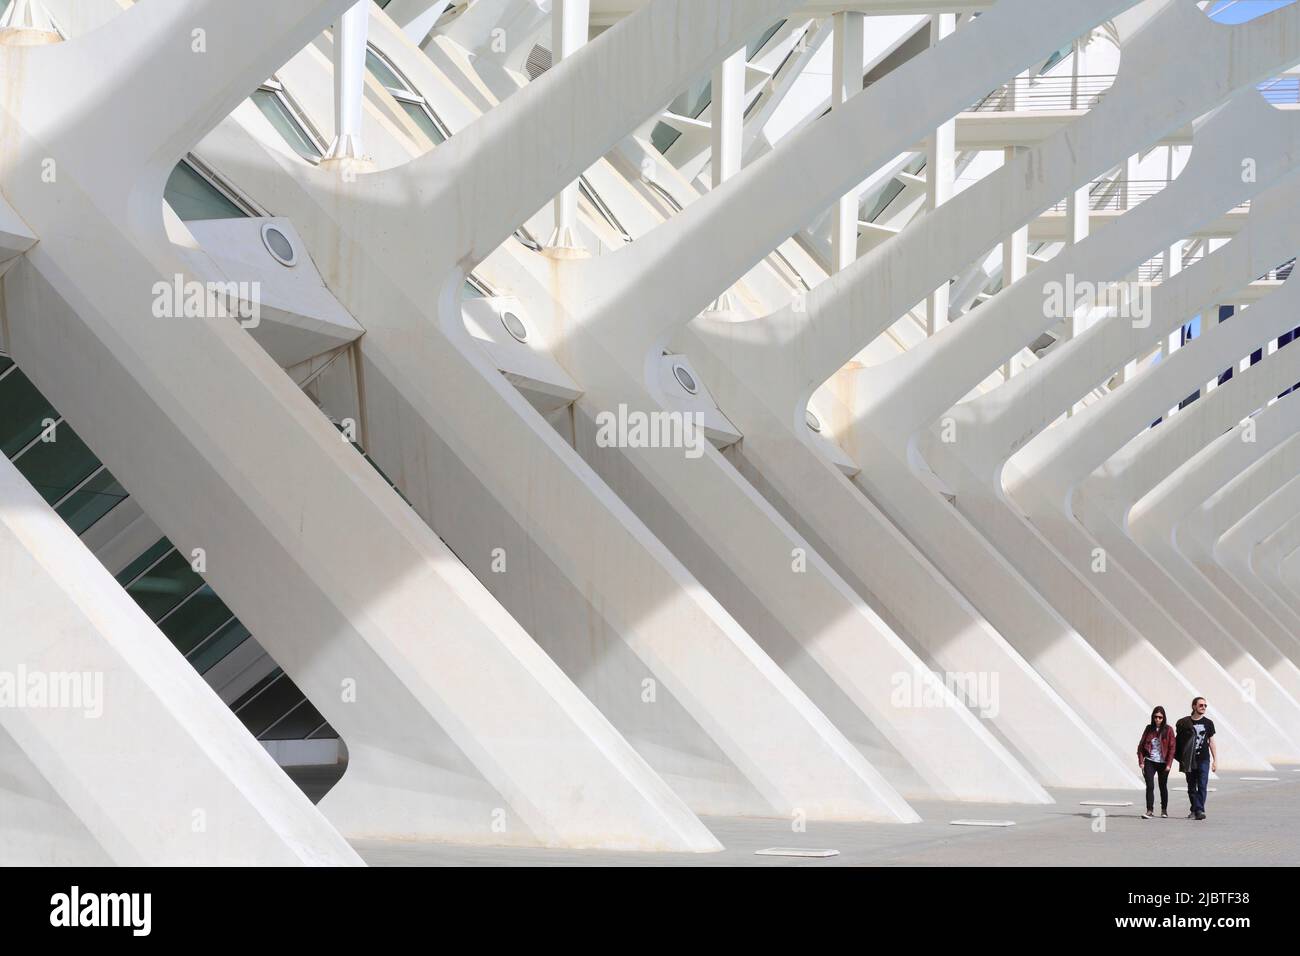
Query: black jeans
[1149, 770]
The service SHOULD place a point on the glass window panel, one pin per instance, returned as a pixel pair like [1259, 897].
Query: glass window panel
[759, 42]
[136, 567]
[92, 501]
[5, 362]
[256, 689]
[691, 103]
[22, 409]
[222, 644]
[270, 705]
[887, 196]
[192, 196]
[285, 123]
[694, 101]
[325, 733]
[1056, 58]
[165, 585]
[381, 71]
[194, 620]
[297, 724]
[663, 136]
[420, 115]
[54, 468]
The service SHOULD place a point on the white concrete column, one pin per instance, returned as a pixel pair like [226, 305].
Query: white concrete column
[1132, 166]
[940, 157]
[1209, 320]
[1174, 340]
[1078, 210]
[570, 21]
[1015, 258]
[349, 83]
[726, 126]
[728, 119]
[846, 80]
[1127, 199]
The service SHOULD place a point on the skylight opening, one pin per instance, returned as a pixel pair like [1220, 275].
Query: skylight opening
[1242, 11]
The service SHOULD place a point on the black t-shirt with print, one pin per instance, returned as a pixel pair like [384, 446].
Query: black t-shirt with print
[1203, 728]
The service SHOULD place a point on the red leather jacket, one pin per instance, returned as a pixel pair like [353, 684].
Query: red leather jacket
[1166, 744]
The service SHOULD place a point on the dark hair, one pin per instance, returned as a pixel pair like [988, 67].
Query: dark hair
[1195, 699]
[1161, 711]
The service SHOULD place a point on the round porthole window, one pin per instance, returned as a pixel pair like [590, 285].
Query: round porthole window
[685, 379]
[515, 326]
[278, 245]
[812, 420]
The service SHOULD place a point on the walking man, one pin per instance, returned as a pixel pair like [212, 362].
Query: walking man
[1197, 755]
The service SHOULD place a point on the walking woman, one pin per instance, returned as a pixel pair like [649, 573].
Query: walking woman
[1155, 754]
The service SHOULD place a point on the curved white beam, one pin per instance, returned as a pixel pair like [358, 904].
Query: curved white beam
[1200, 533]
[1266, 561]
[1244, 583]
[1158, 520]
[470, 193]
[192, 62]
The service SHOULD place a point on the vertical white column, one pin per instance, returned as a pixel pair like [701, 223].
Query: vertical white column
[1128, 198]
[570, 24]
[727, 112]
[726, 127]
[1015, 263]
[846, 81]
[1174, 254]
[940, 157]
[349, 83]
[1128, 193]
[1209, 319]
[1078, 210]
[1015, 248]
[1173, 266]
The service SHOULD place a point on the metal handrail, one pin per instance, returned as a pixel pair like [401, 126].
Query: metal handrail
[1122, 195]
[1279, 273]
[1154, 268]
[1046, 93]
[1117, 194]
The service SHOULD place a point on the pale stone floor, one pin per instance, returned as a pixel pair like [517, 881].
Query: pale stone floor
[1249, 823]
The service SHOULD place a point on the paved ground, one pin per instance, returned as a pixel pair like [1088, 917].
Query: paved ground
[1249, 824]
